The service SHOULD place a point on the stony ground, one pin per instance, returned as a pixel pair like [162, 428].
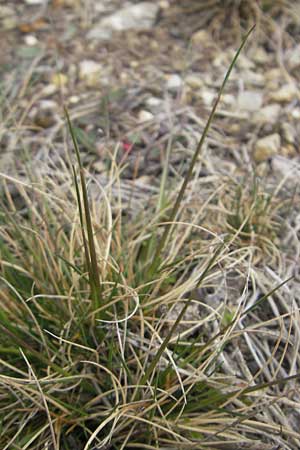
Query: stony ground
[141, 77]
[154, 80]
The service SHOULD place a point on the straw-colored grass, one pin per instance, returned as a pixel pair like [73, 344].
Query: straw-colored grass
[122, 330]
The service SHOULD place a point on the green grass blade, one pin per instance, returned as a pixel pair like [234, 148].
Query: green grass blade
[86, 251]
[84, 213]
[97, 289]
[73, 138]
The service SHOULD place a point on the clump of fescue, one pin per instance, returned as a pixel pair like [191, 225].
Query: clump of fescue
[87, 359]
[72, 377]
[253, 216]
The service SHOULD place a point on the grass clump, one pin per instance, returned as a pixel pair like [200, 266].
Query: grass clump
[87, 358]
[252, 215]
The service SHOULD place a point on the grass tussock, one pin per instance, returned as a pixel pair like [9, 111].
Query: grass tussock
[112, 335]
[253, 216]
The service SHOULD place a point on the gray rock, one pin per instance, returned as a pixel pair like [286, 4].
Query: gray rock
[286, 168]
[139, 17]
[174, 82]
[250, 100]
[288, 133]
[194, 81]
[286, 93]
[253, 78]
[267, 115]
[293, 58]
[201, 37]
[295, 113]
[267, 147]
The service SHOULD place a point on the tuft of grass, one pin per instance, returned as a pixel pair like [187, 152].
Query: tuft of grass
[252, 215]
[88, 359]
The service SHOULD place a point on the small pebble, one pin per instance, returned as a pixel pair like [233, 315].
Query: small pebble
[260, 56]
[250, 100]
[74, 99]
[59, 79]
[289, 133]
[90, 72]
[145, 116]
[208, 97]
[34, 2]
[194, 81]
[267, 147]
[293, 58]
[174, 82]
[268, 114]
[30, 40]
[286, 93]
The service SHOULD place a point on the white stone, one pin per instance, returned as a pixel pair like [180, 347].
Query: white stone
[99, 166]
[174, 82]
[220, 61]
[99, 33]
[90, 71]
[34, 2]
[286, 93]
[145, 116]
[164, 4]
[243, 62]
[296, 113]
[228, 99]
[253, 78]
[208, 97]
[194, 81]
[48, 104]
[250, 100]
[201, 37]
[49, 90]
[74, 99]
[289, 133]
[293, 57]
[268, 114]
[153, 101]
[260, 56]
[102, 7]
[30, 40]
[139, 17]
[267, 147]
